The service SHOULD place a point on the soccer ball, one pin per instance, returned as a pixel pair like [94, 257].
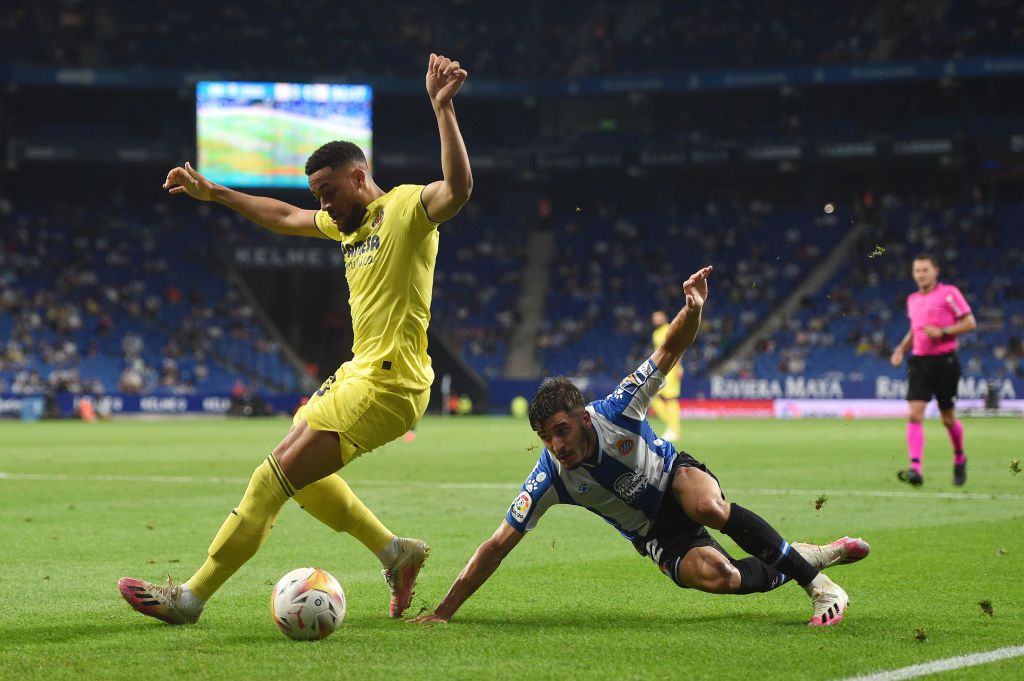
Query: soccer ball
[307, 604]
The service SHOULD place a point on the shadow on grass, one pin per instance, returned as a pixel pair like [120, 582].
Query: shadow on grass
[635, 621]
[47, 634]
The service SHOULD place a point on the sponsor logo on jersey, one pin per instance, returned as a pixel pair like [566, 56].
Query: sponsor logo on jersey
[625, 446]
[360, 247]
[521, 506]
[583, 488]
[378, 218]
[629, 486]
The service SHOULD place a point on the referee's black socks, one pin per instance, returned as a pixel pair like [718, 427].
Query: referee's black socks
[759, 539]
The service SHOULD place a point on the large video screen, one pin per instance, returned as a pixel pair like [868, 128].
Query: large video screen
[260, 134]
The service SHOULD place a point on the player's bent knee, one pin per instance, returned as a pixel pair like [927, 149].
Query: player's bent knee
[726, 579]
[709, 572]
[710, 511]
[308, 455]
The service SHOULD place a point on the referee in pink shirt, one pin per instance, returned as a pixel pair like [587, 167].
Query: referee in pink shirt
[938, 314]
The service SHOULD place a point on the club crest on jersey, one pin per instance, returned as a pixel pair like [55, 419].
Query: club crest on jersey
[521, 506]
[378, 218]
[625, 446]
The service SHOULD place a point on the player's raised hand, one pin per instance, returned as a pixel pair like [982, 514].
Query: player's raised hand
[189, 181]
[444, 78]
[696, 288]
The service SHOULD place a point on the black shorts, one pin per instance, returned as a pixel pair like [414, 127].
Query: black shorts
[937, 375]
[674, 533]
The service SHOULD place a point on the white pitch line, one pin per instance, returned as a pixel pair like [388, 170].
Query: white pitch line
[882, 493]
[948, 664]
[186, 479]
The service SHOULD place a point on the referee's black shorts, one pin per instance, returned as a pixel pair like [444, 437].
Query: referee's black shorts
[933, 375]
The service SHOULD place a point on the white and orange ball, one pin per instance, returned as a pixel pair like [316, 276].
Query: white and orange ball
[308, 604]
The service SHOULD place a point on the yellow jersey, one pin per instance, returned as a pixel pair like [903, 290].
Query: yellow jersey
[389, 265]
[676, 374]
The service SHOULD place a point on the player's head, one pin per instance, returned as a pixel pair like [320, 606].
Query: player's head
[340, 178]
[925, 270]
[659, 318]
[557, 414]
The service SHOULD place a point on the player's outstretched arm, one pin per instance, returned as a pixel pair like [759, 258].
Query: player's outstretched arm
[277, 216]
[479, 568]
[443, 199]
[684, 327]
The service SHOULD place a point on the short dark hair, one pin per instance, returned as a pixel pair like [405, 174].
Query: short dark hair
[334, 155]
[926, 256]
[554, 395]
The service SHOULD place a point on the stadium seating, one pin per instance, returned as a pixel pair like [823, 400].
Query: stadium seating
[612, 271]
[605, 38]
[476, 286]
[849, 327]
[125, 299]
[88, 311]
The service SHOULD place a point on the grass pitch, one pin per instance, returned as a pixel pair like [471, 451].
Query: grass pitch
[84, 504]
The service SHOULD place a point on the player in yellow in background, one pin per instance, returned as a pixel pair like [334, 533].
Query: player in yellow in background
[666, 402]
[389, 241]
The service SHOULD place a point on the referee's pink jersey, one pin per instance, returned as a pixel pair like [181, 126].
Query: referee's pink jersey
[943, 306]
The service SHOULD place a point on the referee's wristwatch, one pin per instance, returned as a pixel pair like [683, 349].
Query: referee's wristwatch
[945, 331]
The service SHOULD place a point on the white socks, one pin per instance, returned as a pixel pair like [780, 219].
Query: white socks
[818, 582]
[189, 601]
[390, 553]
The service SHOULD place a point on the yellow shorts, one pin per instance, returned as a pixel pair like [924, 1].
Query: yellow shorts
[673, 381]
[366, 415]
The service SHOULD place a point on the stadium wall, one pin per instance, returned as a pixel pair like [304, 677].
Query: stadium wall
[66, 405]
[32, 407]
[793, 396]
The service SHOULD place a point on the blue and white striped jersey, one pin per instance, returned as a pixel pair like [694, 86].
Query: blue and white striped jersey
[626, 484]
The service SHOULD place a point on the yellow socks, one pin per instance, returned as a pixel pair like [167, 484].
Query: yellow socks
[245, 529]
[658, 405]
[671, 416]
[332, 502]
[667, 409]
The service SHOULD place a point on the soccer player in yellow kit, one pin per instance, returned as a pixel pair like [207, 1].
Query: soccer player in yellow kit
[666, 403]
[389, 241]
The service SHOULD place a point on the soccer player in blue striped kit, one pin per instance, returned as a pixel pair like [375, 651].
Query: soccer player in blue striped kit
[605, 457]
